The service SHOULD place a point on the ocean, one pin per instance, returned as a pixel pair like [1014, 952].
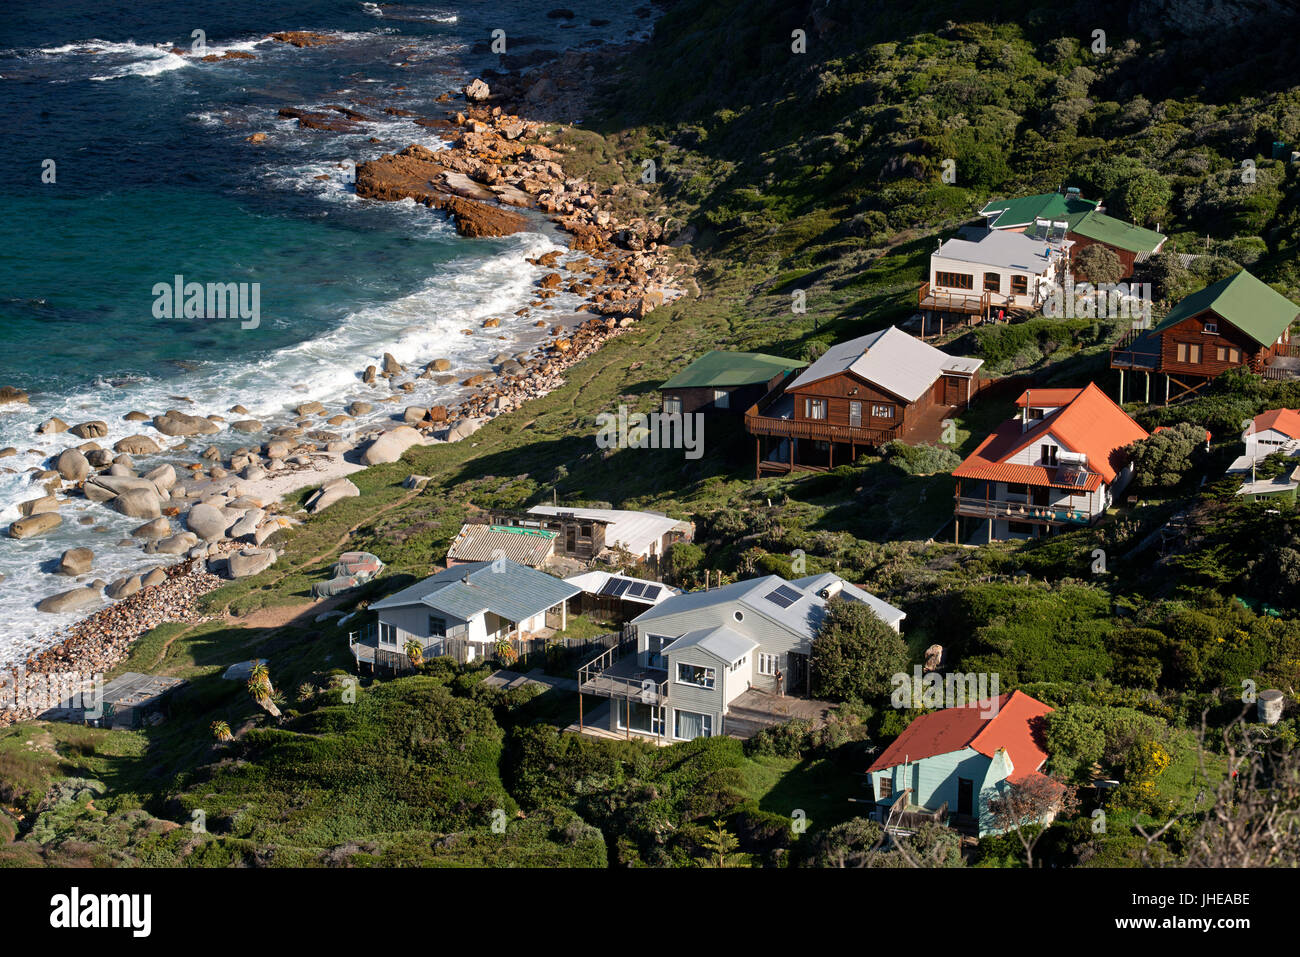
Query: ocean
[127, 165]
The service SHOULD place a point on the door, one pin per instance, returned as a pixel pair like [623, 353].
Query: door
[797, 679]
[965, 797]
[855, 415]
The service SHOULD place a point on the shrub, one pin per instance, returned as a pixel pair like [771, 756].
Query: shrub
[855, 654]
[1164, 459]
[1098, 264]
[922, 459]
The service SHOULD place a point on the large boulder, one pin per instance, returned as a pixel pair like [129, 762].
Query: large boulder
[476, 91]
[72, 465]
[163, 477]
[158, 528]
[10, 394]
[138, 503]
[76, 561]
[390, 446]
[175, 422]
[52, 426]
[246, 527]
[74, 599]
[250, 561]
[137, 445]
[207, 521]
[35, 506]
[464, 429]
[35, 524]
[177, 544]
[123, 587]
[331, 492]
[90, 430]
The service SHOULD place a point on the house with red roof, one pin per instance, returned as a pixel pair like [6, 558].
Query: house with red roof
[1277, 430]
[1057, 464]
[948, 764]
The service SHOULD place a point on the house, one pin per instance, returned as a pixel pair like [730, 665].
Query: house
[860, 394]
[713, 662]
[130, 700]
[463, 611]
[1084, 221]
[1057, 464]
[976, 274]
[1277, 430]
[725, 382]
[484, 543]
[1237, 321]
[948, 764]
[611, 597]
[593, 533]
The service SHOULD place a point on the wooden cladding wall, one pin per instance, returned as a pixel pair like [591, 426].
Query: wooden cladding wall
[1191, 333]
[838, 391]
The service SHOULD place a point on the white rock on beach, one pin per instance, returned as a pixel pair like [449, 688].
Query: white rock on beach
[138, 503]
[331, 492]
[249, 561]
[74, 599]
[390, 446]
[207, 521]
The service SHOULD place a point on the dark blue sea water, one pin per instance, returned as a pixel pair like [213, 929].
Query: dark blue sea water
[154, 177]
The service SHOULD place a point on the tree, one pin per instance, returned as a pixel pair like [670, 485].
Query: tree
[261, 690]
[1034, 800]
[1098, 264]
[415, 652]
[1145, 197]
[1164, 459]
[855, 654]
[721, 845]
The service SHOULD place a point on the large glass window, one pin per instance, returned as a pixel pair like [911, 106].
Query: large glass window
[814, 408]
[696, 675]
[387, 634]
[690, 724]
[437, 627]
[646, 718]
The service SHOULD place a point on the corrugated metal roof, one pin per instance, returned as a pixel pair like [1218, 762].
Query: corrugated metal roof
[1015, 727]
[1000, 248]
[1090, 424]
[482, 543]
[1248, 303]
[1286, 421]
[719, 368]
[635, 531]
[884, 610]
[1117, 233]
[890, 359]
[721, 641]
[508, 589]
[1024, 210]
[594, 582]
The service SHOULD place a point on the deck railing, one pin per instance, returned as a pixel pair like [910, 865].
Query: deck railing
[758, 423]
[970, 302]
[593, 678]
[1021, 511]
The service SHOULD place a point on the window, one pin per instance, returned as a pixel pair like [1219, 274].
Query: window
[691, 724]
[884, 786]
[1189, 352]
[654, 651]
[1017, 489]
[855, 414]
[696, 675]
[992, 282]
[882, 411]
[585, 530]
[738, 615]
[814, 408]
[1020, 285]
[956, 280]
[387, 634]
[721, 399]
[1048, 456]
[768, 664]
[1228, 354]
[1211, 328]
[672, 405]
[437, 627]
[646, 718]
[737, 665]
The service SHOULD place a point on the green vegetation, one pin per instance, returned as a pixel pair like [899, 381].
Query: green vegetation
[819, 173]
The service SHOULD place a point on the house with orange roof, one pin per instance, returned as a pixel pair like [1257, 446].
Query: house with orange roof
[948, 764]
[1057, 464]
[1277, 430]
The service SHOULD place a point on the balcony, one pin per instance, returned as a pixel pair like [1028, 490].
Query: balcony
[1136, 350]
[968, 303]
[774, 415]
[1022, 511]
[618, 674]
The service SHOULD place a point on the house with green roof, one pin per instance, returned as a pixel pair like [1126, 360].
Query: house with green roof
[725, 381]
[1238, 321]
[1086, 224]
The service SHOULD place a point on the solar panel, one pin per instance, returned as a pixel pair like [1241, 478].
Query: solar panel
[621, 585]
[651, 592]
[1074, 478]
[783, 597]
[634, 589]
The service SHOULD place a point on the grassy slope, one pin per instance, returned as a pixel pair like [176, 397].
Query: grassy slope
[769, 158]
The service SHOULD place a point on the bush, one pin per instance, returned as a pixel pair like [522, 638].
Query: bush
[1163, 460]
[855, 654]
[922, 459]
[1098, 264]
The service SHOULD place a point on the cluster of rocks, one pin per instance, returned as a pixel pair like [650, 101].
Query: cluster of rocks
[101, 641]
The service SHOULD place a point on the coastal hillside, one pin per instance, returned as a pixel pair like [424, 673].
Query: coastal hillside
[783, 177]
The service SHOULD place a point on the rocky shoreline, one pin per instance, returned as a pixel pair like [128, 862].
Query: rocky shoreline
[493, 179]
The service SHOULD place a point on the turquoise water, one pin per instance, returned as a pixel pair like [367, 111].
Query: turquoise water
[155, 177]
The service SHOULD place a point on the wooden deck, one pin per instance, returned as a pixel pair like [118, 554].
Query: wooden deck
[618, 674]
[965, 303]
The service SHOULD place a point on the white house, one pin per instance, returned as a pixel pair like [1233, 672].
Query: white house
[704, 661]
[1277, 430]
[464, 610]
[1014, 270]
